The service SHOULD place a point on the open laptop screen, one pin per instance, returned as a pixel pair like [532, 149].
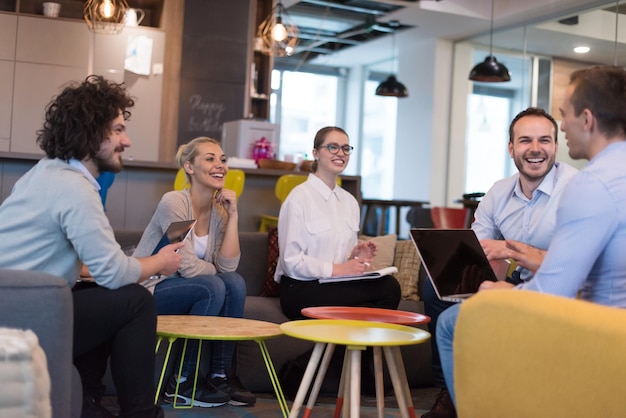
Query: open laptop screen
[453, 259]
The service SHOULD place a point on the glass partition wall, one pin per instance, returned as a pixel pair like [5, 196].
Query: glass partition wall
[539, 57]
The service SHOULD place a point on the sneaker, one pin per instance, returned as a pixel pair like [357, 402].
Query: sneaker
[206, 396]
[239, 395]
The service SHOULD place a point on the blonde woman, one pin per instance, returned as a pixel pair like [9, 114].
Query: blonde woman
[206, 282]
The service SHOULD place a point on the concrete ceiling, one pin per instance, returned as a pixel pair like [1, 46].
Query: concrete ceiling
[464, 19]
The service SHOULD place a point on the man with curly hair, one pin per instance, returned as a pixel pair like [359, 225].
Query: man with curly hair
[54, 219]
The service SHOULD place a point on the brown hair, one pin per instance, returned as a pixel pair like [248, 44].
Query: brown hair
[320, 137]
[602, 90]
[533, 111]
[189, 151]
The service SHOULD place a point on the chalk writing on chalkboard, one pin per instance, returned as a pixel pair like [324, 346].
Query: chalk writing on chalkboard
[205, 116]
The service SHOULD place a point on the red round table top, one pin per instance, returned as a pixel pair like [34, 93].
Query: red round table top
[389, 316]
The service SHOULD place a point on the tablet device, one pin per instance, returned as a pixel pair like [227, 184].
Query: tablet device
[176, 232]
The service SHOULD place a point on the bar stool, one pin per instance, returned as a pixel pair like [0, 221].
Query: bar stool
[356, 336]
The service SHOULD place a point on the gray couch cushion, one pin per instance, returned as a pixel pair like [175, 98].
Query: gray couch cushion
[253, 262]
[43, 303]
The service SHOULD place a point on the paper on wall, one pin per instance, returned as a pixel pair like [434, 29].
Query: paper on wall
[138, 54]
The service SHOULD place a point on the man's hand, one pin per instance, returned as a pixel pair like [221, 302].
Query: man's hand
[169, 258]
[489, 285]
[495, 249]
[526, 255]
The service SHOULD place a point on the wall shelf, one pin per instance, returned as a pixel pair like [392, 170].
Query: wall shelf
[73, 9]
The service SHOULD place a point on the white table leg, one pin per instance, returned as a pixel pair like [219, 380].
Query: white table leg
[307, 379]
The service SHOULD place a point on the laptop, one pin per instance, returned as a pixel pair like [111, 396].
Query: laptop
[454, 261]
[176, 232]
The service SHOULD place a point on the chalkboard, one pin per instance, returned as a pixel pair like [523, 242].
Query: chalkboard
[205, 106]
[214, 66]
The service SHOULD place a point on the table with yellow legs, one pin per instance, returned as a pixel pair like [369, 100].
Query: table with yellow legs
[356, 336]
[217, 328]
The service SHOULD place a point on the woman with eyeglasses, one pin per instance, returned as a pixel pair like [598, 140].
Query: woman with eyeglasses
[317, 236]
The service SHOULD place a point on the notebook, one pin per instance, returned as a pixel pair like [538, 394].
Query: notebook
[176, 232]
[367, 275]
[454, 261]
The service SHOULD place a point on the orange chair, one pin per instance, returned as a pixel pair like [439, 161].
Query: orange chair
[447, 218]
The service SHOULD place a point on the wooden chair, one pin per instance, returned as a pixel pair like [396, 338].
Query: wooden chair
[445, 217]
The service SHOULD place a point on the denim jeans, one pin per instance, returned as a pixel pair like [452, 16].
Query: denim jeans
[222, 294]
[445, 339]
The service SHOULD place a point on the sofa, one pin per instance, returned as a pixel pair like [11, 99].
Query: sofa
[42, 303]
[258, 254]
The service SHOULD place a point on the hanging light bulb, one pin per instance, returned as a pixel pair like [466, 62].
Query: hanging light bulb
[105, 16]
[278, 34]
[391, 87]
[107, 9]
[490, 70]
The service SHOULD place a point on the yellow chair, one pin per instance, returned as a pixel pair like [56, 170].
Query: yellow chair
[234, 180]
[526, 354]
[284, 184]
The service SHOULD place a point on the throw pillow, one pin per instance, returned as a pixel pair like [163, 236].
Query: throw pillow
[408, 262]
[270, 287]
[386, 248]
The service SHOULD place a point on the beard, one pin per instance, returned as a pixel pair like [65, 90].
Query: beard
[110, 163]
[520, 163]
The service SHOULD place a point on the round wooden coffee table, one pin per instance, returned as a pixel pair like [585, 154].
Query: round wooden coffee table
[212, 328]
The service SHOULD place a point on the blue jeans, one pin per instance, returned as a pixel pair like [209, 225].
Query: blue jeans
[222, 294]
[445, 339]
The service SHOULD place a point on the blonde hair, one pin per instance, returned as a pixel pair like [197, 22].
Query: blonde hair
[189, 151]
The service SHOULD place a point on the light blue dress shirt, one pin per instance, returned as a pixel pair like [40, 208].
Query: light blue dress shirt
[588, 251]
[505, 213]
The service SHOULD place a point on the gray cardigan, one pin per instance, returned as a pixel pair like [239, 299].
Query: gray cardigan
[176, 206]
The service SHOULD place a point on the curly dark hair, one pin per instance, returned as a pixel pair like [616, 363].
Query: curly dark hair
[79, 119]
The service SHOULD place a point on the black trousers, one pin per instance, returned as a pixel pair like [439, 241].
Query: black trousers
[377, 293]
[118, 324]
[433, 307]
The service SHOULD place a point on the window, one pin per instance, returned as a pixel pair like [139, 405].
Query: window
[302, 103]
[378, 144]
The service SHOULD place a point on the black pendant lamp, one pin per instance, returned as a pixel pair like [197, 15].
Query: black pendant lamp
[490, 70]
[391, 87]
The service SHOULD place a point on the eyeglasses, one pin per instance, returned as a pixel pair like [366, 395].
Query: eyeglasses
[334, 148]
